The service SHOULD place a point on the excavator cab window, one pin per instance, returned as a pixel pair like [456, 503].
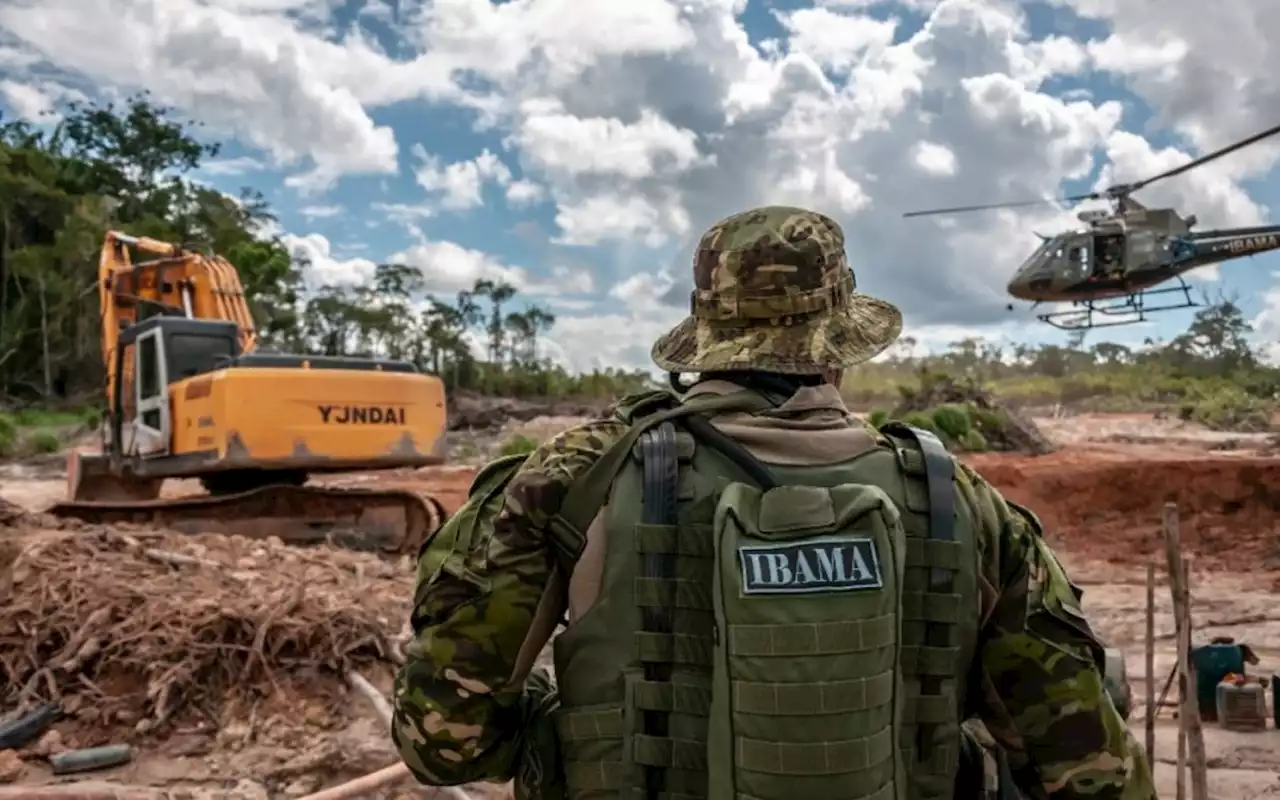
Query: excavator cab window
[150, 385]
[194, 353]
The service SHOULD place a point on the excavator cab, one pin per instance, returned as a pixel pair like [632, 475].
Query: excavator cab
[161, 350]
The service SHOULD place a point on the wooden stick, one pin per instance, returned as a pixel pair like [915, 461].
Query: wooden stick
[374, 780]
[1179, 576]
[1152, 708]
[368, 783]
[380, 705]
[1181, 791]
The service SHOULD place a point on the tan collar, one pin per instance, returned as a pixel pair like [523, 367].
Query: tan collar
[824, 397]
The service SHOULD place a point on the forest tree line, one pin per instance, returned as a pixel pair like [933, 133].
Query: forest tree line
[1211, 372]
[128, 167]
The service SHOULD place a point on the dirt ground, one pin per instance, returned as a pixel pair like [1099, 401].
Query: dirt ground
[1099, 498]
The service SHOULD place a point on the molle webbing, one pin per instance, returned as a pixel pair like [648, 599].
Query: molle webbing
[656, 590]
[932, 653]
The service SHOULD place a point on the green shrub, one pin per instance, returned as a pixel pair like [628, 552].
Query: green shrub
[43, 442]
[952, 420]
[8, 435]
[972, 442]
[1227, 408]
[92, 418]
[518, 444]
[985, 419]
[878, 417]
[920, 419]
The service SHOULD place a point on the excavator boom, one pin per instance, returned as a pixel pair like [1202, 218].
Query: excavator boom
[191, 396]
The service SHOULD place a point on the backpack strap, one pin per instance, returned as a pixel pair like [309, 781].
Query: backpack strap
[589, 494]
[939, 475]
[660, 484]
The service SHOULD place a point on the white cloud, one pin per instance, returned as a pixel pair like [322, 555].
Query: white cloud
[1212, 79]
[322, 267]
[935, 159]
[836, 41]
[524, 193]
[459, 185]
[608, 340]
[35, 101]
[246, 71]
[320, 212]
[569, 146]
[449, 267]
[1266, 325]
[231, 166]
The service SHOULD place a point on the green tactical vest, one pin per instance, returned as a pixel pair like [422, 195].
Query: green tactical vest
[766, 632]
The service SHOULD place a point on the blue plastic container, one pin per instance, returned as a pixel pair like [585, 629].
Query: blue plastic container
[1213, 662]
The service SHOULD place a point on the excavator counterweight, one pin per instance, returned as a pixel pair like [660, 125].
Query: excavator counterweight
[190, 396]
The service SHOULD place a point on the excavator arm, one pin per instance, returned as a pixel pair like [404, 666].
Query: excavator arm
[140, 277]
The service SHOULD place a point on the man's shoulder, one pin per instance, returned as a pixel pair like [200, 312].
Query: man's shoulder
[540, 484]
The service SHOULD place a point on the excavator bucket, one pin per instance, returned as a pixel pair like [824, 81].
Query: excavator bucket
[388, 521]
[90, 479]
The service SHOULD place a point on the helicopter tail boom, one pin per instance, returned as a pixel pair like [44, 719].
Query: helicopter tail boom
[1211, 247]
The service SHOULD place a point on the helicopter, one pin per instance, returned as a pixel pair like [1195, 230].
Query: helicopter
[1112, 271]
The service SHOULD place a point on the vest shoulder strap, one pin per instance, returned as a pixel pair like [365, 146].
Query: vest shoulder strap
[589, 494]
[939, 472]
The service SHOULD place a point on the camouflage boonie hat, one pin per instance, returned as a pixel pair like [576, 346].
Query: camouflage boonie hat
[772, 291]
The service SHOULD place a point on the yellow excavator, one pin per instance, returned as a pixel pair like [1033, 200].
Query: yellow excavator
[189, 395]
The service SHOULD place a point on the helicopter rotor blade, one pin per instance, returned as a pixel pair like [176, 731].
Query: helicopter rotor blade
[1016, 204]
[1204, 159]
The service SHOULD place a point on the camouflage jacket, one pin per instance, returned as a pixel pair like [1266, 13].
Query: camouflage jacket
[461, 709]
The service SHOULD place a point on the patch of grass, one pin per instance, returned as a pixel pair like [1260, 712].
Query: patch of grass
[8, 435]
[42, 442]
[49, 418]
[518, 444]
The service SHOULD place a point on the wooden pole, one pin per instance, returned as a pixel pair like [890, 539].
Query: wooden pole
[1151, 664]
[1179, 578]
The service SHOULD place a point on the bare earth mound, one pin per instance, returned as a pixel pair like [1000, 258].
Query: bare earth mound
[1109, 508]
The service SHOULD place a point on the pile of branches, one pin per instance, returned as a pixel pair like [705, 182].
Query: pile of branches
[1001, 427]
[132, 629]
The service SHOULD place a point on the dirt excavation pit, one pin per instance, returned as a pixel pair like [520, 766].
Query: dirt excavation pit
[1108, 509]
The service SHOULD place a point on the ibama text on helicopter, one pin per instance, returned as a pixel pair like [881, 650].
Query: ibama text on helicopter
[1115, 267]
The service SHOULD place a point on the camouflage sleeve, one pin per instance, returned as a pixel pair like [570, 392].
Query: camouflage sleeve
[460, 707]
[1041, 694]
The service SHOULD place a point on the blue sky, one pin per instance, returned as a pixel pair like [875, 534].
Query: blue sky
[580, 154]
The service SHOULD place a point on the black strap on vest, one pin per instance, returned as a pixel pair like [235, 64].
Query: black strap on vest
[939, 475]
[661, 490]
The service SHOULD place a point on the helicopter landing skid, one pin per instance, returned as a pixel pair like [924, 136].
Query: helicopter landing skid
[1131, 309]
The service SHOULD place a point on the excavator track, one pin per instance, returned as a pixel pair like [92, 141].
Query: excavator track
[394, 522]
